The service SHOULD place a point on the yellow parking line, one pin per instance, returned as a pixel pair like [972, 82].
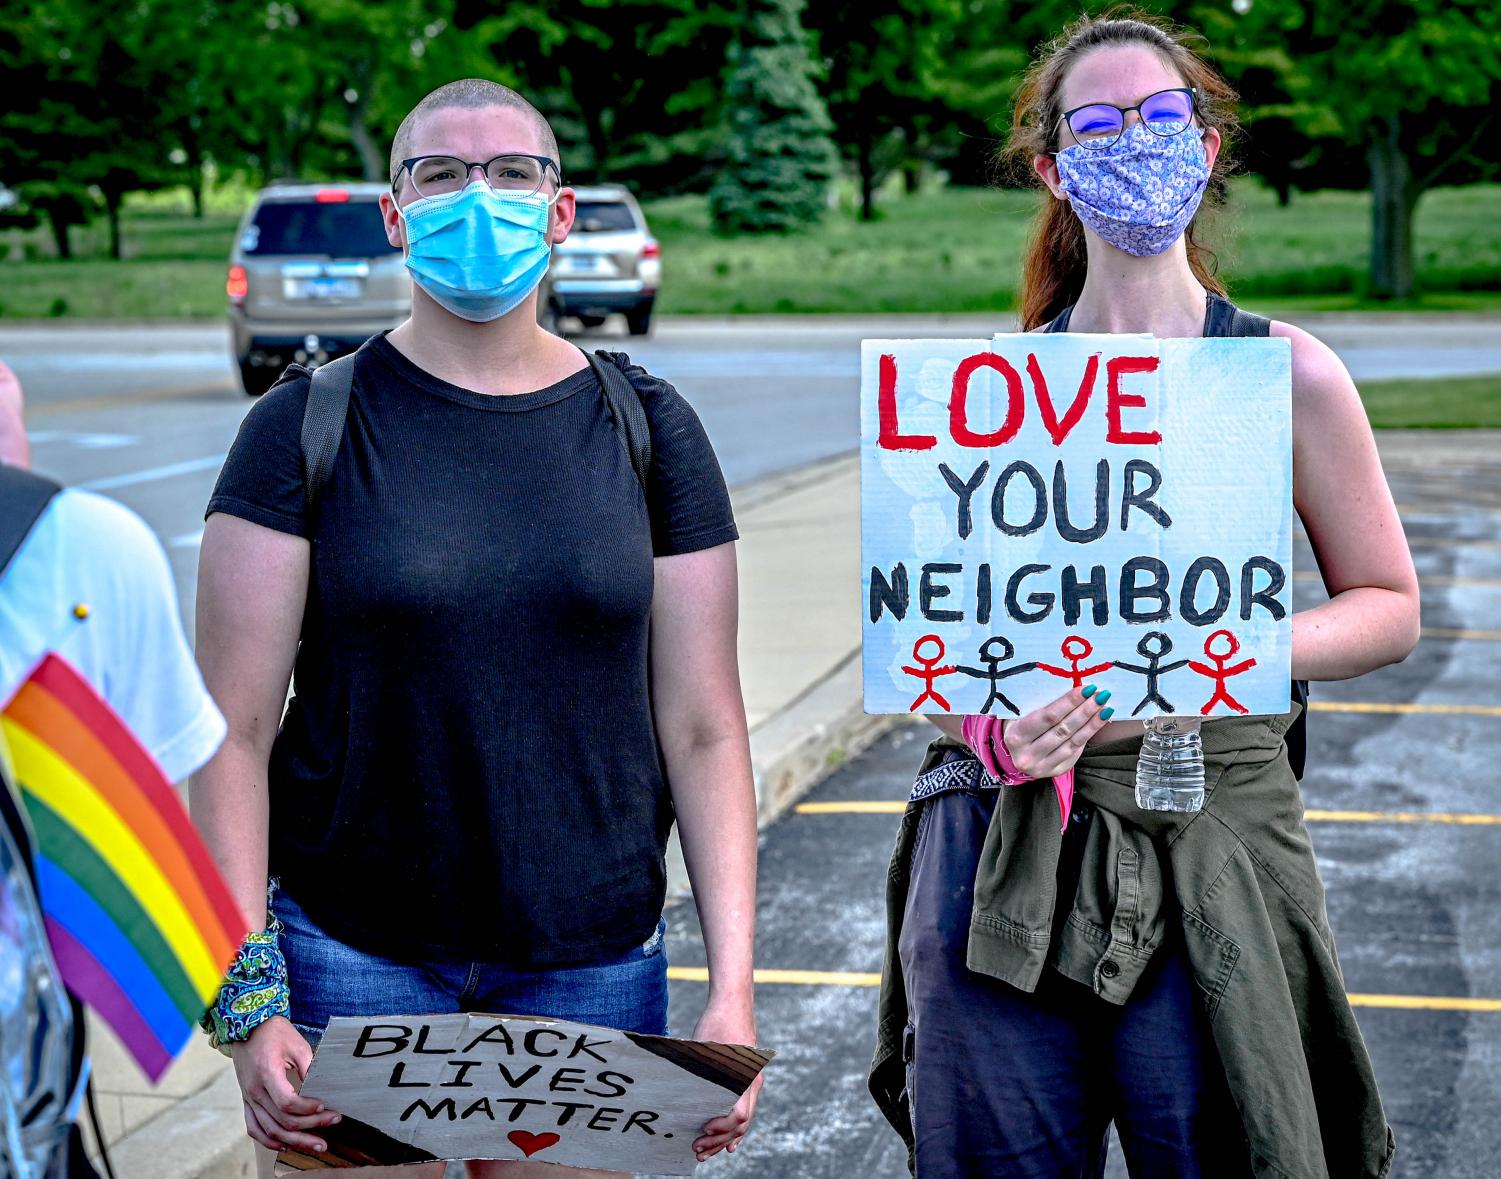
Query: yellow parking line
[1438, 709]
[895, 807]
[806, 978]
[1464, 820]
[852, 978]
[883, 807]
[1459, 632]
[1425, 1002]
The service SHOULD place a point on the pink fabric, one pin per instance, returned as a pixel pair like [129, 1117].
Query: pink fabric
[986, 739]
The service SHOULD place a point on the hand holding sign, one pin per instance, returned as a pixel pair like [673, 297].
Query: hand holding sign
[1048, 741]
[417, 1089]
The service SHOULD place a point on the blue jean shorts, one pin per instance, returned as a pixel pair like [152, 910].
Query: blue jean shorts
[328, 978]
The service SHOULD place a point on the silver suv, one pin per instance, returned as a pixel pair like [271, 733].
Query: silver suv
[311, 277]
[610, 261]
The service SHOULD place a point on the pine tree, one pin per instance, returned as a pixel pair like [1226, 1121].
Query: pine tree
[780, 159]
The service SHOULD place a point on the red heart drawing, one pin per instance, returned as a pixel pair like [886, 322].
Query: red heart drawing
[530, 1144]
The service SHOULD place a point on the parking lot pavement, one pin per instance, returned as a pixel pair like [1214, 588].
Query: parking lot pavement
[1405, 812]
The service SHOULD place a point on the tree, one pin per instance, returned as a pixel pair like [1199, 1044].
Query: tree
[779, 157]
[1411, 84]
[869, 65]
[634, 88]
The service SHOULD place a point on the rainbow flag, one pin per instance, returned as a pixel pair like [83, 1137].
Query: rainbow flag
[140, 921]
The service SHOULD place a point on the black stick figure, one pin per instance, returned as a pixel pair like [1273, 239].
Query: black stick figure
[995, 651]
[1153, 651]
[1219, 673]
[929, 672]
[1075, 649]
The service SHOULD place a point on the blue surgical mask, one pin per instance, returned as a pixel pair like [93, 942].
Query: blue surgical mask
[479, 253]
[1140, 193]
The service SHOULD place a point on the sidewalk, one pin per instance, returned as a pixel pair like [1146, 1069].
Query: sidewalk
[800, 668]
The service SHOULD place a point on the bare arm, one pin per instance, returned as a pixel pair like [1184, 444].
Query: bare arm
[1372, 616]
[252, 586]
[700, 718]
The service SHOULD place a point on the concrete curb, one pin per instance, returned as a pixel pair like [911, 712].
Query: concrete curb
[797, 748]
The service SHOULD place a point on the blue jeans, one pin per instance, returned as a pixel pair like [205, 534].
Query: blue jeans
[329, 978]
[1009, 1085]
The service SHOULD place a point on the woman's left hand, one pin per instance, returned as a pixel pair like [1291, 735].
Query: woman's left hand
[728, 1025]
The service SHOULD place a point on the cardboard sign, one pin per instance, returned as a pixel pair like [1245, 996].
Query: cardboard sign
[1043, 511]
[420, 1088]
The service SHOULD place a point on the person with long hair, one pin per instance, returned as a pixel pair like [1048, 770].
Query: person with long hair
[1172, 974]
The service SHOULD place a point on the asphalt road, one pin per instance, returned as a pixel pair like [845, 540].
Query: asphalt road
[1415, 905]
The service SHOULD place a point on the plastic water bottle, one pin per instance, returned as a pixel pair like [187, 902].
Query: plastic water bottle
[1170, 770]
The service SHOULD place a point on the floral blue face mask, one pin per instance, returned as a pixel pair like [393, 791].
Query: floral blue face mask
[477, 252]
[1140, 193]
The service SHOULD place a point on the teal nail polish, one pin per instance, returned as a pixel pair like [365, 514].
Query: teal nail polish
[1088, 691]
[1106, 714]
[1102, 697]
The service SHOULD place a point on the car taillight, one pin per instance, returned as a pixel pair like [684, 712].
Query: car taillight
[331, 196]
[236, 286]
[651, 250]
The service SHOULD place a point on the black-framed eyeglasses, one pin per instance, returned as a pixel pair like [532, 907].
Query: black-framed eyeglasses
[512, 173]
[1097, 125]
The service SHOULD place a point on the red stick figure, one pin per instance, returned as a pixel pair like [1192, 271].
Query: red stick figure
[1219, 673]
[1075, 649]
[928, 672]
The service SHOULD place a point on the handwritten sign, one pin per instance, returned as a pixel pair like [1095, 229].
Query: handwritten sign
[421, 1088]
[1044, 511]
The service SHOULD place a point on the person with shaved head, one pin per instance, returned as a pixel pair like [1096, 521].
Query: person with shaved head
[508, 617]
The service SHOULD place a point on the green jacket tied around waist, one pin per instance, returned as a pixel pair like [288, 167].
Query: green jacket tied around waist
[1239, 877]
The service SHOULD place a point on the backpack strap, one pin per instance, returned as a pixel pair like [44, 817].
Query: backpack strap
[626, 410]
[323, 424]
[23, 499]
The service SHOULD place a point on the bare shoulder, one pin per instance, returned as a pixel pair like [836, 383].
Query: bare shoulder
[1321, 383]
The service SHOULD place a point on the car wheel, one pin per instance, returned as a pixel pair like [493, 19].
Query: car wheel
[639, 322]
[257, 378]
[591, 321]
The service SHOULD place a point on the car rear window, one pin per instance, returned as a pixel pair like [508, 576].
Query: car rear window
[352, 229]
[604, 217]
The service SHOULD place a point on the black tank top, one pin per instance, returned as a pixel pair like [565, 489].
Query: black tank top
[1224, 318]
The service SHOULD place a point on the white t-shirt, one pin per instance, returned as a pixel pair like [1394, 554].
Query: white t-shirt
[91, 551]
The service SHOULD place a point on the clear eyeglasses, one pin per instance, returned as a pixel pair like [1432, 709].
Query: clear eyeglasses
[1098, 125]
[516, 174]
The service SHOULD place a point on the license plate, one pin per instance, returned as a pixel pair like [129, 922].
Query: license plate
[581, 264]
[322, 288]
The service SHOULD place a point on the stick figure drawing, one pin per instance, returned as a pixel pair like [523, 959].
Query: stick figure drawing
[995, 651]
[1153, 647]
[1076, 649]
[1219, 673]
[929, 672]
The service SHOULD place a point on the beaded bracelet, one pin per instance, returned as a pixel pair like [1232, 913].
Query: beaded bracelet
[254, 990]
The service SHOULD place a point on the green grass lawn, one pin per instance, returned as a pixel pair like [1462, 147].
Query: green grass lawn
[1440, 404]
[948, 250]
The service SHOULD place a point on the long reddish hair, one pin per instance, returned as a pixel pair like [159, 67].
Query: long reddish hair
[1056, 260]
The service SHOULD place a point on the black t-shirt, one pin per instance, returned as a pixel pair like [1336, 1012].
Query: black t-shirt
[468, 766]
